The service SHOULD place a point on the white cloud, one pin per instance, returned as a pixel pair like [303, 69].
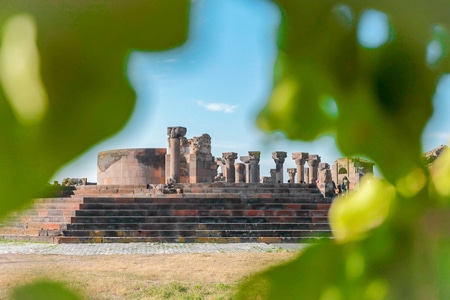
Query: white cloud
[217, 106]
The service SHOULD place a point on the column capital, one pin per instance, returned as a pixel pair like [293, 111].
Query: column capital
[291, 173]
[279, 156]
[255, 155]
[300, 155]
[229, 156]
[245, 159]
[292, 170]
[176, 132]
[313, 159]
[324, 166]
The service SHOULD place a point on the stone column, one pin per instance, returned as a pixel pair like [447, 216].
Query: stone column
[321, 174]
[291, 174]
[273, 175]
[300, 159]
[174, 133]
[278, 158]
[307, 175]
[239, 169]
[246, 161]
[254, 166]
[313, 164]
[228, 158]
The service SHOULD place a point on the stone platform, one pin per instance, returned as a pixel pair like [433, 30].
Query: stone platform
[185, 213]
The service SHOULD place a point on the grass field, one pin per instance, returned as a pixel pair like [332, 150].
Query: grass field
[161, 276]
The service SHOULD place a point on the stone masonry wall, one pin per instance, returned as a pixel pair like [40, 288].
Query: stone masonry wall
[131, 166]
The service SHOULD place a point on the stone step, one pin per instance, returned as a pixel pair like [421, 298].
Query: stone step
[31, 238]
[18, 231]
[261, 189]
[48, 219]
[199, 212]
[196, 233]
[216, 212]
[202, 192]
[225, 195]
[33, 231]
[62, 205]
[200, 200]
[35, 226]
[77, 240]
[205, 206]
[63, 200]
[199, 226]
[39, 212]
[199, 219]
[45, 210]
[196, 188]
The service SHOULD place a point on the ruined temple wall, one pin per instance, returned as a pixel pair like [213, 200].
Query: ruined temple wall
[354, 169]
[131, 166]
[202, 168]
[196, 168]
[338, 174]
[197, 165]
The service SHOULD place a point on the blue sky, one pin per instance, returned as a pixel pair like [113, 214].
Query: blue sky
[216, 84]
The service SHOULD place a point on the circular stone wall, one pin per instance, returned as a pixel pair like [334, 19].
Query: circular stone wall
[131, 166]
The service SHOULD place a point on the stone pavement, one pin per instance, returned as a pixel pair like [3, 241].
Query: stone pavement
[141, 248]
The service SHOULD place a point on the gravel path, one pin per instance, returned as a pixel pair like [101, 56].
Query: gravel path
[140, 248]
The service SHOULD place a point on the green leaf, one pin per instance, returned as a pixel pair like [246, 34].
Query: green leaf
[440, 177]
[391, 239]
[324, 271]
[44, 290]
[353, 215]
[383, 95]
[75, 54]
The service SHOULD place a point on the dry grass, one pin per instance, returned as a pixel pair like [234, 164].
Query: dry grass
[162, 276]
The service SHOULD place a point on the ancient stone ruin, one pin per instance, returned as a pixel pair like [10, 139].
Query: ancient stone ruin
[185, 194]
[430, 156]
[191, 161]
[347, 172]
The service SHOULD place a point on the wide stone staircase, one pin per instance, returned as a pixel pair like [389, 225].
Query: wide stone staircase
[217, 212]
[42, 221]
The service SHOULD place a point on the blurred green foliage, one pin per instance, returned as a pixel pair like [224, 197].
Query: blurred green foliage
[63, 84]
[392, 236]
[63, 88]
[44, 290]
[67, 61]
